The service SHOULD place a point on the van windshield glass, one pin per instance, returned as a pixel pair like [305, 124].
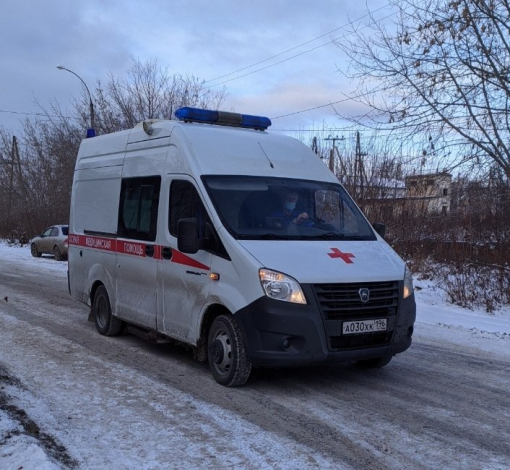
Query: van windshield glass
[263, 208]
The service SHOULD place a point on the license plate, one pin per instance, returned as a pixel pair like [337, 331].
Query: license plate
[363, 326]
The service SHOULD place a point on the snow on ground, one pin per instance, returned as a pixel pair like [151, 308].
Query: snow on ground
[486, 331]
[436, 318]
[22, 451]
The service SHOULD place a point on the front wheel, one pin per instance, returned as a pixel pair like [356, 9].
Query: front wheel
[35, 251]
[227, 356]
[106, 323]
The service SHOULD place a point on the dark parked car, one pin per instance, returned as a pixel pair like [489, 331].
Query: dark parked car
[53, 241]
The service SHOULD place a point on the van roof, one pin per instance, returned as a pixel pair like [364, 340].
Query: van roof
[233, 151]
[216, 149]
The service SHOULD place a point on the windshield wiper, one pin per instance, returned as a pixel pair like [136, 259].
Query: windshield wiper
[261, 236]
[330, 236]
[358, 237]
[340, 236]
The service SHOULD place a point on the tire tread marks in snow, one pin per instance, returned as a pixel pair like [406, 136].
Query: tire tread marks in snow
[30, 428]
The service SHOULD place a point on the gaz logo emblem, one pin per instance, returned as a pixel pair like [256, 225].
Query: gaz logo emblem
[364, 295]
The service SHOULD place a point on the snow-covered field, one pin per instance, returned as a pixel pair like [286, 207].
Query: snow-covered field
[487, 332]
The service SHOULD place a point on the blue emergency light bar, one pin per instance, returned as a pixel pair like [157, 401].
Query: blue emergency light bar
[222, 118]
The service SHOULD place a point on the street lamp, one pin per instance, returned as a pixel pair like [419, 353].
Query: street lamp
[90, 132]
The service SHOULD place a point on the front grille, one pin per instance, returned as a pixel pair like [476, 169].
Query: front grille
[342, 301]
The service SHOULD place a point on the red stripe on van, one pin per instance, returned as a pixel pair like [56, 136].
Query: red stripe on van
[132, 249]
[98, 243]
[74, 240]
[178, 257]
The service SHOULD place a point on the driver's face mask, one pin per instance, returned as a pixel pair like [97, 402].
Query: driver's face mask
[289, 206]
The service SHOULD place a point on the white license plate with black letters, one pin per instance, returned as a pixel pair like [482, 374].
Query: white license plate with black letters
[363, 326]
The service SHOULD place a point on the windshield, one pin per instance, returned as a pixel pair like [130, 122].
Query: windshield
[263, 208]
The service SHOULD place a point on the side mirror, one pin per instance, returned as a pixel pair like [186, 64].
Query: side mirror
[187, 236]
[379, 228]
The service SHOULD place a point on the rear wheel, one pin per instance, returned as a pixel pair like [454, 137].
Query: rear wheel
[57, 253]
[106, 323]
[227, 356]
[375, 363]
[35, 251]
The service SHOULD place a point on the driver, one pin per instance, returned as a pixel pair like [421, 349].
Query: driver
[288, 211]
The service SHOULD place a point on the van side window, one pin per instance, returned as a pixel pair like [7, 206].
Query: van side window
[185, 203]
[138, 208]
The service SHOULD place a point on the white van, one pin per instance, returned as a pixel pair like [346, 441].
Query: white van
[241, 244]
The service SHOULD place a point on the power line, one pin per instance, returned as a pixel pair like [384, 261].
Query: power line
[275, 64]
[21, 112]
[291, 57]
[343, 100]
[294, 48]
[47, 115]
[335, 129]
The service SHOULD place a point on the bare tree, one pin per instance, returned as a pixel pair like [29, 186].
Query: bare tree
[36, 178]
[440, 73]
[149, 92]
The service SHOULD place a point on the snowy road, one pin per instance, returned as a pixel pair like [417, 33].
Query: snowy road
[99, 402]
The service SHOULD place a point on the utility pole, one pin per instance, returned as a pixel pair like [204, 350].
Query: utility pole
[359, 169]
[15, 154]
[315, 146]
[332, 152]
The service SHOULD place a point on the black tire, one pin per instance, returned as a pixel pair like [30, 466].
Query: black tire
[57, 253]
[34, 250]
[227, 356]
[375, 363]
[106, 323]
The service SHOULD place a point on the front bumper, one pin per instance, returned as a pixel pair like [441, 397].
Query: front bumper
[280, 334]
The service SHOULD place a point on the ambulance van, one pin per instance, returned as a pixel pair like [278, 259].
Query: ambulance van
[213, 232]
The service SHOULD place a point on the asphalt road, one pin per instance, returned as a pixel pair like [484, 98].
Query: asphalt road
[101, 402]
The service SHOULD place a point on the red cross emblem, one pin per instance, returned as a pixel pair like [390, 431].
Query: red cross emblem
[338, 254]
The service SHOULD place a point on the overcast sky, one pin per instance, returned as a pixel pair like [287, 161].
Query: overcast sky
[204, 38]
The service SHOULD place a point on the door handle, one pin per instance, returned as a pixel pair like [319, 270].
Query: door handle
[149, 250]
[166, 252]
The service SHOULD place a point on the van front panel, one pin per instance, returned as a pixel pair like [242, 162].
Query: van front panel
[285, 334]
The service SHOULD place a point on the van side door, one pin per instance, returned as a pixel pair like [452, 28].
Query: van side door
[136, 288]
[183, 278]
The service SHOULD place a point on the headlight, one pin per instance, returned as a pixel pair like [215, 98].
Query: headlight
[281, 287]
[408, 283]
